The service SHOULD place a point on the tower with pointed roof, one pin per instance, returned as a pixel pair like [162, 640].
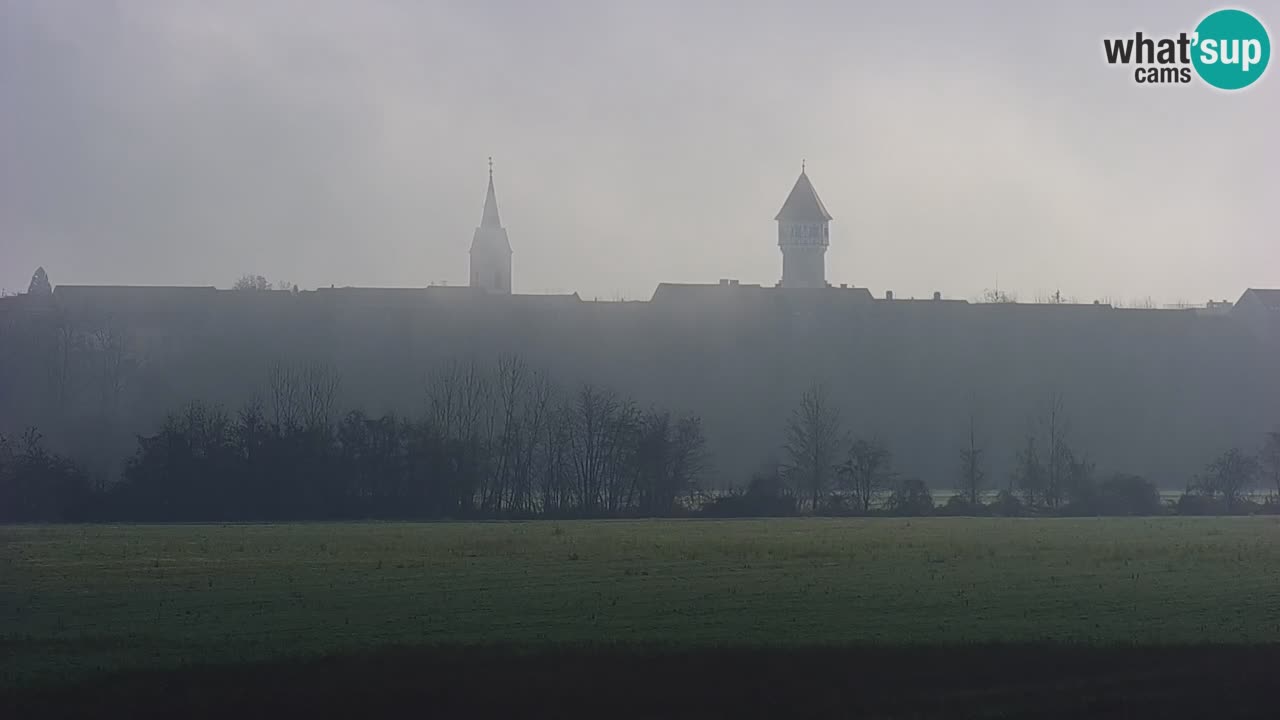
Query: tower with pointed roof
[490, 248]
[803, 236]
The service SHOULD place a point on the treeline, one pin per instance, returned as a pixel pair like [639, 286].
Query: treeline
[504, 441]
[826, 470]
[491, 442]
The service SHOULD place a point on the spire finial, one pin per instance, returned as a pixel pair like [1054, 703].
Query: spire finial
[490, 217]
[802, 165]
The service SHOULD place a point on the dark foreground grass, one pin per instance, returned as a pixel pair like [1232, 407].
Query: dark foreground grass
[815, 613]
[1057, 681]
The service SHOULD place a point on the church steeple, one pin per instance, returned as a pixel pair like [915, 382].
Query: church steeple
[490, 218]
[490, 248]
[803, 236]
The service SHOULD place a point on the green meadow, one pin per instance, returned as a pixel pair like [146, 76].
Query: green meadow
[77, 600]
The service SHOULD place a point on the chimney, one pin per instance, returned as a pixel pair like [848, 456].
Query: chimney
[888, 294]
[724, 282]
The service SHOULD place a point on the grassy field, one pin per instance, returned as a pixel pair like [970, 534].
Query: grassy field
[75, 600]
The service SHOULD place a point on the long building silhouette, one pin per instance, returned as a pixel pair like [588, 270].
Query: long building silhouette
[1148, 391]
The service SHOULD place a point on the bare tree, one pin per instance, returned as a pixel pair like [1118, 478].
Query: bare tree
[554, 466]
[110, 346]
[667, 460]
[1029, 475]
[458, 396]
[460, 406]
[602, 430]
[1049, 479]
[814, 440]
[597, 419]
[286, 396]
[319, 395]
[1231, 475]
[1059, 459]
[867, 472]
[1056, 298]
[688, 457]
[1080, 487]
[1271, 458]
[990, 296]
[68, 342]
[510, 384]
[251, 282]
[536, 415]
[972, 474]
[622, 431]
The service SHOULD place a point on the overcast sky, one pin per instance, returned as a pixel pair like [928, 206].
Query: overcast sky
[957, 144]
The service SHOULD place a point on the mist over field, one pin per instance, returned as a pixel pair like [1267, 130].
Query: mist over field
[637, 359]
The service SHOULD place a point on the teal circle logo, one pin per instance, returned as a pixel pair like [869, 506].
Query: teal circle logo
[1231, 49]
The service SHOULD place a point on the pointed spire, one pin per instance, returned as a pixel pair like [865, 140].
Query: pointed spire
[803, 204]
[490, 218]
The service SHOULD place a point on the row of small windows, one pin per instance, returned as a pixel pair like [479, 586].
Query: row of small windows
[805, 232]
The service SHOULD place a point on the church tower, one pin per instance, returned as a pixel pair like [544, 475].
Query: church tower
[803, 236]
[490, 249]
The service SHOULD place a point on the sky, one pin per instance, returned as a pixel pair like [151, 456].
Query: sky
[959, 145]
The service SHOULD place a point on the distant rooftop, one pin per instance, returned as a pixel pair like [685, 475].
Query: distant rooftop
[1268, 298]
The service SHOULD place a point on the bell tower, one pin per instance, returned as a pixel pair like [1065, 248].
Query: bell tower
[490, 248]
[803, 236]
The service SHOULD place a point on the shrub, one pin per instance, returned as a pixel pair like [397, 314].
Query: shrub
[1128, 495]
[766, 496]
[839, 505]
[1008, 505]
[911, 498]
[959, 506]
[1193, 503]
[747, 504]
[1190, 503]
[37, 485]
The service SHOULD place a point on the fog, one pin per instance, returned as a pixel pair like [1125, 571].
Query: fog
[960, 146]
[845, 358]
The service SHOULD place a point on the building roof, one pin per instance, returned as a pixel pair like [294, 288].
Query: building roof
[135, 298]
[670, 292]
[803, 204]
[1269, 299]
[732, 291]
[148, 293]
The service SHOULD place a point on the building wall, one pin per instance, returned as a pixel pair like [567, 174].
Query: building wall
[491, 260]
